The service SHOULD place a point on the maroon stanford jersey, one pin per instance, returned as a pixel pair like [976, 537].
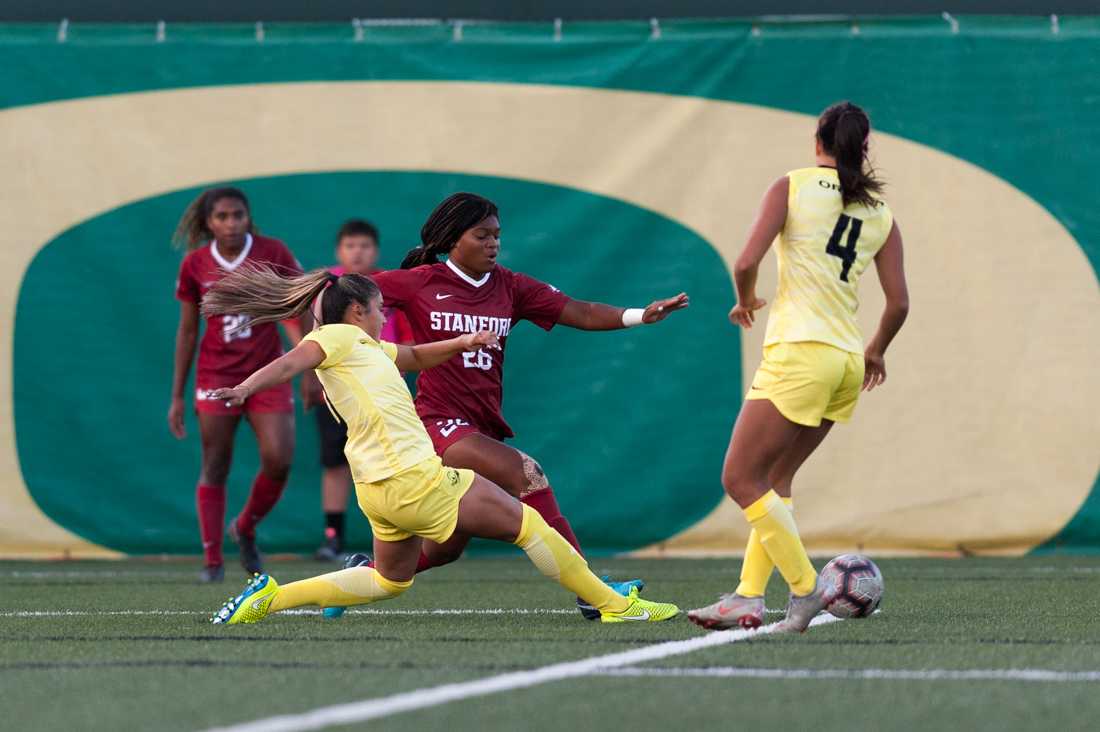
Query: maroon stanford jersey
[225, 358]
[443, 302]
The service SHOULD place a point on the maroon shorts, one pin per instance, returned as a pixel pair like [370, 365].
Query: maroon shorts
[278, 399]
[446, 431]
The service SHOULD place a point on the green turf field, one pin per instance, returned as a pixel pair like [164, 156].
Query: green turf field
[136, 652]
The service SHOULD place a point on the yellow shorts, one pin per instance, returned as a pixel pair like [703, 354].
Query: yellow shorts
[809, 381]
[420, 501]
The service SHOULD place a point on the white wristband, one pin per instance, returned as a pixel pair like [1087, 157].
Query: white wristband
[632, 317]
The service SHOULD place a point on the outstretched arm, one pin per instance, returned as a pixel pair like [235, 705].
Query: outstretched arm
[769, 222]
[597, 316]
[426, 355]
[306, 355]
[890, 263]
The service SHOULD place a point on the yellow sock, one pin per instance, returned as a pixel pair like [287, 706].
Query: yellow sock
[559, 561]
[778, 534]
[355, 586]
[757, 566]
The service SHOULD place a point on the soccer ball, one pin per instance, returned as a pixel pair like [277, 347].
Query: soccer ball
[854, 583]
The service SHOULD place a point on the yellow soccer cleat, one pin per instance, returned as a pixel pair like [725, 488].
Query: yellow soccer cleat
[250, 606]
[639, 610]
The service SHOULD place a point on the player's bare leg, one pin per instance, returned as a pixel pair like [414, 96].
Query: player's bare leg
[436, 555]
[744, 607]
[782, 472]
[522, 477]
[396, 560]
[275, 438]
[216, 432]
[760, 437]
[487, 511]
[514, 471]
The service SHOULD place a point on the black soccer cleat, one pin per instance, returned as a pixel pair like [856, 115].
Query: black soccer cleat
[358, 559]
[330, 551]
[251, 560]
[588, 612]
[211, 574]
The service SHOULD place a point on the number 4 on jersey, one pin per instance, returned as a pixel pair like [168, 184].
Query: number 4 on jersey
[846, 253]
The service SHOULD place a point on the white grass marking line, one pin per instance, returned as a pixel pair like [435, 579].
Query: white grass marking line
[504, 574]
[872, 674]
[386, 706]
[352, 611]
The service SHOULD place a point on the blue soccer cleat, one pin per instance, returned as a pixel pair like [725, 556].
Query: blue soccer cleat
[623, 588]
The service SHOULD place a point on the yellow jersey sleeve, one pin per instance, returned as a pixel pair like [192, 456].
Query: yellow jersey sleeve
[336, 340]
[390, 349]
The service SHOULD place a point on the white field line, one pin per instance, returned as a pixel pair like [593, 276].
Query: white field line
[342, 714]
[163, 574]
[875, 674]
[353, 611]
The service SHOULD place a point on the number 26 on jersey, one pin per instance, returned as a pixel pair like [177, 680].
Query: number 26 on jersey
[477, 360]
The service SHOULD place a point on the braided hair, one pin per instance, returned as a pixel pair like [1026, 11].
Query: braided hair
[448, 222]
[842, 131]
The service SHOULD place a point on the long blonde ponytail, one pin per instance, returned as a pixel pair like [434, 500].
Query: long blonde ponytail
[262, 293]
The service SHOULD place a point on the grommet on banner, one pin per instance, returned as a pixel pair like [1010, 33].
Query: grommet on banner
[357, 26]
[1055, 26]
[162, 31]
[951, 20]
[855, 28]
[259, 31]
[654, 29]
[456, 36]
[755, 30]
[557, 30]
[63, 30]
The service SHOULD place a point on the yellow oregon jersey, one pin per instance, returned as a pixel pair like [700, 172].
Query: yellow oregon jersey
[823, 249]
[385, 436]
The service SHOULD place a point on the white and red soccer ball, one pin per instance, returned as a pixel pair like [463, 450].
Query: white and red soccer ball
[855, 584]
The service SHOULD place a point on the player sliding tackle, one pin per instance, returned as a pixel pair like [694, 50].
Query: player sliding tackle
[402, 486]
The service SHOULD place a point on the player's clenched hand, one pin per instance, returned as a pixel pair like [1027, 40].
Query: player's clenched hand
[745, 314]
[233, 397]
[874, 370]
[658, 310]
[175, 419]
[479, 340]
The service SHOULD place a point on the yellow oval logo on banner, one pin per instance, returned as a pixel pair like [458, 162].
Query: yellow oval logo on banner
[992, 392]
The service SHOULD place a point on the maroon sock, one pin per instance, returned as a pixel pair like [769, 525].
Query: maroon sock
[546, 504]
[210, 500]
[263, 497]
[424, 563]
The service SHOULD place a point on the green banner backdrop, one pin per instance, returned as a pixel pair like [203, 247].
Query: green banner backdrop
[627, 165]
